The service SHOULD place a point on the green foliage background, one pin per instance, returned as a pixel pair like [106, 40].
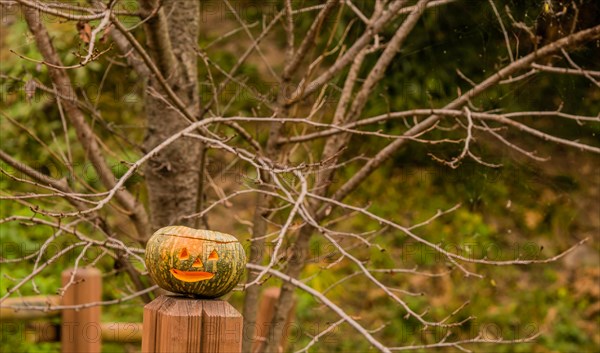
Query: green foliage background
[520, 209]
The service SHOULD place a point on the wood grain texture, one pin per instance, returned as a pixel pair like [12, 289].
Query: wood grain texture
[149, 324]
[222, 328]
[81, 330]
[186, 325]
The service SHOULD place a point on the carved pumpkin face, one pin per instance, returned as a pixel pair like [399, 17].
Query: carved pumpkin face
[199, 271]
[198, 262]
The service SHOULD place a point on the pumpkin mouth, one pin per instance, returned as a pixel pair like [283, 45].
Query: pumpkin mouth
[191, 276]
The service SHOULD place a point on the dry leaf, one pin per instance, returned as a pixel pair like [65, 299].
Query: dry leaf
[85, 31]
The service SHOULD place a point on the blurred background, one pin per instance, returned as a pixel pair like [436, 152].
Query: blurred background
[523, 209]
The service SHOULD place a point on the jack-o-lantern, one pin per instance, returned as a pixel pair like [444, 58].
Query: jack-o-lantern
[202, 263]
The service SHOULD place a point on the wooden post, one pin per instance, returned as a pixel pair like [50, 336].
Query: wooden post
[266, 310]
[80, 329]
[185, 325]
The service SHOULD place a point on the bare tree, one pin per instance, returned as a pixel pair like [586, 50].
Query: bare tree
[293, 142]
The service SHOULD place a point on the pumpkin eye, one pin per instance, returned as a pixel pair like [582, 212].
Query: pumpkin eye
[184, 255]
[197, 263]
[213, 255]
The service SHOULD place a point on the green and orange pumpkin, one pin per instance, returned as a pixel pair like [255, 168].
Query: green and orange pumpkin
[201, 263]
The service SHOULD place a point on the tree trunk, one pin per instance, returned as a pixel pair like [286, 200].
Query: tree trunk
[172, 175]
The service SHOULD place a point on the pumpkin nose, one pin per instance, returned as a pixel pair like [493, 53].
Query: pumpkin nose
[197, 263]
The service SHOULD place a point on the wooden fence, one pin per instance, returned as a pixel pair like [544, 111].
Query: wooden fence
[170, 323]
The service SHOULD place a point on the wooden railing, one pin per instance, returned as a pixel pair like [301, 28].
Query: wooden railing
[170, 323]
